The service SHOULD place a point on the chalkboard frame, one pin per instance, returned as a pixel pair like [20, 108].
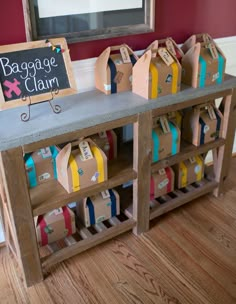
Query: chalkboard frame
[44, 96]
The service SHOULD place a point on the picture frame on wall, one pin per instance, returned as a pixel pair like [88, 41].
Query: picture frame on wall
[79, 20]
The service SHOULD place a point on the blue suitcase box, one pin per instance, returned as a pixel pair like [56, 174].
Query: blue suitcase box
[41, 165]
[165, 144]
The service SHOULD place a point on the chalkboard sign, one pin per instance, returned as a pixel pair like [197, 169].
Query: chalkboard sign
[32, 71]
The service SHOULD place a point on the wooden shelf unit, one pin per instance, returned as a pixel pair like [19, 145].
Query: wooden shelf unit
[83, 115]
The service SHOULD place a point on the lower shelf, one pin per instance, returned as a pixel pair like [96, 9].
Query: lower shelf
[86, 238]
[177, 198]
[180, 197]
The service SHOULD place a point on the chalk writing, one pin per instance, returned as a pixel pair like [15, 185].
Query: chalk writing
[32, 72]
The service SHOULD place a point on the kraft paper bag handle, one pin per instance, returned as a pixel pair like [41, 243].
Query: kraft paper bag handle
[153, 47]
[140, 69]
[189, 43]
[192, 57]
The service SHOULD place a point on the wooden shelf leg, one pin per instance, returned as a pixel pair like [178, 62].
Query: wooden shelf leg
[20, 213]
[223, 155]
[142, 165]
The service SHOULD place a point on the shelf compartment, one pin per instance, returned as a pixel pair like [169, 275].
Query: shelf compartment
[180, 197]
[52, 195]
[186, 151]
[177, 198]
[86, 238]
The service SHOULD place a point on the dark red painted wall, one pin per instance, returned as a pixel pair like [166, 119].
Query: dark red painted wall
[176, 18]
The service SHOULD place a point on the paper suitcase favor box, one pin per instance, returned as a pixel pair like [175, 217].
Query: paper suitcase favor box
[98, 208]
[203, 63]
[107, 141]
[81, 164]
[156, 73]
[202, 124]
[113, 69]
[189, 171]
[41, 165]
[162, 182]
[165, 138]
[55, 225]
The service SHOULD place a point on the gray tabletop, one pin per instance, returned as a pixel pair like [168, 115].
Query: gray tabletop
[85, 110]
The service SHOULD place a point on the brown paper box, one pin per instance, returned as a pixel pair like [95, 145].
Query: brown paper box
[200, 69]
[168, 143]
[112, 75]
[107, 141]
[55, 225]
[153, 78]
[40, 166]
[198, 128]
[187, 172]
[75, 173]
[162, 184]
[97, 209]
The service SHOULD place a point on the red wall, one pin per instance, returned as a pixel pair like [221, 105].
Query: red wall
[178, 19]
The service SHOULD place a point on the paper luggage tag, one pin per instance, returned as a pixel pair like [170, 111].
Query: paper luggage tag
[165, 56]
[125, 54]
[162, 171]
[213, 50]
[164, 124]
[118, 77]
[192, 160]
[46, 152]
[105, 194]
[170, 47]
[211, 112]
[85, 150]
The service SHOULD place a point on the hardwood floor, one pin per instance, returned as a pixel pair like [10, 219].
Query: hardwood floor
[188, 256]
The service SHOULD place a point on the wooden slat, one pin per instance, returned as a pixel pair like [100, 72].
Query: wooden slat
[85, 244]
[69, 240]
[142, 165]
[100, 227]
[53, 247]
[185, 153]
[222, 156]
[79, 133]
[114, 221]
[182, 199]
[15, 184]
[52, 195]
[192, 102]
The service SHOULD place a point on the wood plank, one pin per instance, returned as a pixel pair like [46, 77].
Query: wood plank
[186, 152]
[75, 135]
[191, 102]
[142, 165]
[52, 195]
[85, 244]
[222, 157]
[12, 165]
[183, 199]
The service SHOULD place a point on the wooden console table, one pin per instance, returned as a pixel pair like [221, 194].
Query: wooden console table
[83, 115]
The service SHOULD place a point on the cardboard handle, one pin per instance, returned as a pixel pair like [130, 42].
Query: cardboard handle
[118, 47]
[76, 143]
